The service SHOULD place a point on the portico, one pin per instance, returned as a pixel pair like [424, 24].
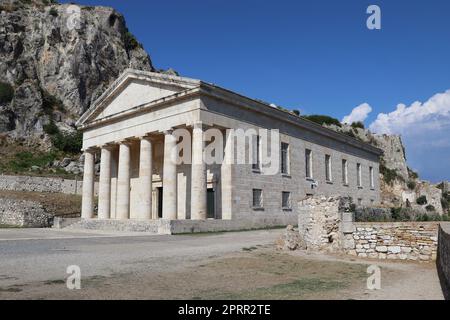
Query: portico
[135, 170]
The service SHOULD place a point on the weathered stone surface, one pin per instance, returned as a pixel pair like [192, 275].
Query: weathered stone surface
[23, 213]
[46, 51]
[41, 184]
[290, 240]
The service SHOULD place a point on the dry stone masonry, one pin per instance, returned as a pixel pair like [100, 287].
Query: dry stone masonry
[23, 213]
[394, 240]
[325, 224]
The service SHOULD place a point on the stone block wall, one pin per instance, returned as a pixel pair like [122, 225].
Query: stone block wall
[326, 224]
[42, 184]
[23, 213]
[393, 240]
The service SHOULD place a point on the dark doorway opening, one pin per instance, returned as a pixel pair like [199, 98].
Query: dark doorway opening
[160, 201]
[211, 204]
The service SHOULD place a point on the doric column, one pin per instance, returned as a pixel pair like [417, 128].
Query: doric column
[87, 208]
[170, 176]
[145, 176]
[104, 190]
[123, 182]
[226, 176]
[198, 175]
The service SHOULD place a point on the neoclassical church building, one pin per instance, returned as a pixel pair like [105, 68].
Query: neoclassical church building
[131, 129]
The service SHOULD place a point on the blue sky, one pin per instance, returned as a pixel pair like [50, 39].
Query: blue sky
[317, 56]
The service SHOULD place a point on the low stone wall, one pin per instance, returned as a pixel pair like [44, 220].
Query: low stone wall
[443, 258]
[23, 213]
[162, 226]
[393, 240]
[42, 184]
[326, 224]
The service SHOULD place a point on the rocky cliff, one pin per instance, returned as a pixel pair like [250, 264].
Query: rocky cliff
[55, 60]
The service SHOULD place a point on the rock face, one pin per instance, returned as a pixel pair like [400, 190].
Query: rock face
[59, 58]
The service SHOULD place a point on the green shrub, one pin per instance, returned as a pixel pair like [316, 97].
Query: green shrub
[68, 142]
[321, 119]
[389, 175]
[296, 112]
[23, 161]
[430, 208]
[411, 185]
[51, 128]
[130, 41]
[445, 203]
[6, 92]
[422, 200]
[53, 12]
[358, 124]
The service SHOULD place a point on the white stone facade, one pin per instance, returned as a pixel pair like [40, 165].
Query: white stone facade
[131, 128]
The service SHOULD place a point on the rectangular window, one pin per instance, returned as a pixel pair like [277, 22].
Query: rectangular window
[344, 172]
[256, 165]
[284, 158]
[257, 198]
[328, 168]
[308, 163]
[372, 185]
[286, 200]
[359, 202]
[358, 175]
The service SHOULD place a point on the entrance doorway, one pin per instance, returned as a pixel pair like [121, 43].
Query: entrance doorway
[211, 204]
[160, 201]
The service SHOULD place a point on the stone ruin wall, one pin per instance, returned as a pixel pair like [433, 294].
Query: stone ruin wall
[325, 224]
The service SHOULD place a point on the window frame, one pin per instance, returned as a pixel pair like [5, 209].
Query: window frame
[359, 175]
[289, 202]
[260, 205]
[371, 178]
[287, 166]
[256, 167]
[308, 164]
[345, 172]
[328, 169]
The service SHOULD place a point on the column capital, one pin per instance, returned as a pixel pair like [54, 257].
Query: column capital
[198, 125]
[167, 131]
[147, 137]
[90, 149]
[108, 146]
[126, 141]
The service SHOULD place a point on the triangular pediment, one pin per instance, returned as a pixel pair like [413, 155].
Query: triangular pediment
[132, 89]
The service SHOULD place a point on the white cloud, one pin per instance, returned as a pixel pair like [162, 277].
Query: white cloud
[360, 113]
[425, 130]
[433, 115]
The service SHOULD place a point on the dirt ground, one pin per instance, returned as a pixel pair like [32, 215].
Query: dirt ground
[257, 272]
[57, 203]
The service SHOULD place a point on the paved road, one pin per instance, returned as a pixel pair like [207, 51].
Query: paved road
[36, 255]
[34, 260]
